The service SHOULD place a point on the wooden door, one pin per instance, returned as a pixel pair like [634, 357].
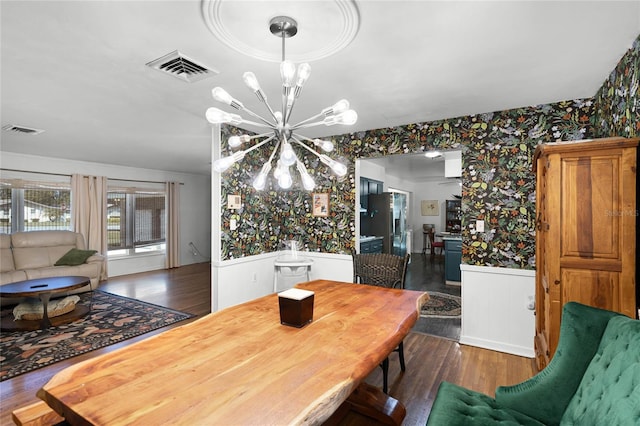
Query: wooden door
[585, 238]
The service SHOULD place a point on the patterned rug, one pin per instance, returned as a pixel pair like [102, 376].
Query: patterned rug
[441, 305]
[112, 319]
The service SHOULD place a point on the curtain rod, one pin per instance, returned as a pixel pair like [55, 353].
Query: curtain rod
[62, 174]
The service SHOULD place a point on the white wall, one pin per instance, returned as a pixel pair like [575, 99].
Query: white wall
[431, 191]
[496, 310]
[195, 210]
[240, 280]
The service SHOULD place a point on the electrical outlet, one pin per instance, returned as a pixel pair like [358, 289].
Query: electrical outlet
[479, 225]
[233, 224]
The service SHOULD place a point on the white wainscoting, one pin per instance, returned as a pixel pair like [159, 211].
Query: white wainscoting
[240, 280]
[495, 311]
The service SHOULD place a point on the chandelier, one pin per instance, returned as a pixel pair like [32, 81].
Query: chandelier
[281, 133]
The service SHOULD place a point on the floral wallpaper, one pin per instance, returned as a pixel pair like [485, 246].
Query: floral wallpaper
[618, 100]
[498, 185]
[498, 182]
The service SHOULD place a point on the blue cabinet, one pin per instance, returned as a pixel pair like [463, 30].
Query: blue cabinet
[371, 246]
[452, 259]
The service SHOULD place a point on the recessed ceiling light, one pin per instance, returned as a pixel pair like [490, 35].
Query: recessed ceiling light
[433, 154]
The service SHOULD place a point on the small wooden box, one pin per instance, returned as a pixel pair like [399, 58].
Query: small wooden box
[296, 307]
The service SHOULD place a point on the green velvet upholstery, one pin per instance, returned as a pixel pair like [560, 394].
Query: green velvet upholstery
[457, 406]
[547, 394]
[609, 393]
[593, 379]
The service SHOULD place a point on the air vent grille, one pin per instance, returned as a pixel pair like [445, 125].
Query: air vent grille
[21, 129]
[182, 67]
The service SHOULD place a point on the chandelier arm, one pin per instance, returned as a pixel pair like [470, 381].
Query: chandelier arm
[264, 120]
[302, 144]
[258, 145]
[302, 124]
[306, 126]
[271, 111]
[273, 153]
[289, 109]
[261, 135]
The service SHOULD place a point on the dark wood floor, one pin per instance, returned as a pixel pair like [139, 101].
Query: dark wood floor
[426, 273]
[429, 359]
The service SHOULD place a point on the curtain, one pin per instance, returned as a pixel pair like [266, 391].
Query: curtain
[172, 259]
[89, 212]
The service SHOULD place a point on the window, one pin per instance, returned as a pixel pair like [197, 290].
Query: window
[135, 221]
[31, 205]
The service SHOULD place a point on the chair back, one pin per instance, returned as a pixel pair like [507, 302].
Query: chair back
[380, 269]
[432, 239]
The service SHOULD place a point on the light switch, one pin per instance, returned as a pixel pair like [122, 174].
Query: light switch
[479, 225]
[233, 224]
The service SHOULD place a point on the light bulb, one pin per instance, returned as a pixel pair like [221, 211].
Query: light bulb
[340, 106]
[251, 81]
[287, 72]
[287, 155]
[222, 164]
[285, 181]
[278, 117]
[307, 181]
[260, 181]
[221, 95]
[338, 168]
[217, 116]
[234, 141]
[304, 71]
[348, 117]
[326, 146]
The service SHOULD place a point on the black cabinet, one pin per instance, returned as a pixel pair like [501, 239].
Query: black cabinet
[453, 212]
[368, 186]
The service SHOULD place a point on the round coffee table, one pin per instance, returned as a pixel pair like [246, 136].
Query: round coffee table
[44, 288]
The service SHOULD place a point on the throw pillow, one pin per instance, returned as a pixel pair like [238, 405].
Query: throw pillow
[75, 257]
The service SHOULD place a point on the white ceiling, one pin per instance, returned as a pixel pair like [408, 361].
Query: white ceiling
[77, 69]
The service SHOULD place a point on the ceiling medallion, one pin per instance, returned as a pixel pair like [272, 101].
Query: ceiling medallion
[329, 26]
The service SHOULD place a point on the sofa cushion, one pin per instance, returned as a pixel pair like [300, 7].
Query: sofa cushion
[39, 249]
[610, 389]
[47, 239]
[6, 257]
[85, 270]
[455, 405]
[75, 257]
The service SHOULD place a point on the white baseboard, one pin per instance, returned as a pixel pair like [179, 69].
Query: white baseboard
[498, 346]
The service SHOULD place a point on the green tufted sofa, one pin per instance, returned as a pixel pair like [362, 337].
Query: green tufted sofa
[593, 379]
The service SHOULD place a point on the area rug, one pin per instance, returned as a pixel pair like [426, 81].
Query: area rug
[112, 319]
[441, 305]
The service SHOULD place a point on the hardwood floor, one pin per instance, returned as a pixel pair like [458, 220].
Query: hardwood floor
[429, 359]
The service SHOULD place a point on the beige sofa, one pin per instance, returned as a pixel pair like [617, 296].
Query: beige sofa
[31, 255]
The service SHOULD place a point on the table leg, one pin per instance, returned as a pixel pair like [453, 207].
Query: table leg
[46, 323]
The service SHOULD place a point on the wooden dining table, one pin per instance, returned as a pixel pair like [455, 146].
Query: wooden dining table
[240, 365]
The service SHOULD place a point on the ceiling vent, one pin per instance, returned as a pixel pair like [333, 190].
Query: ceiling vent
[21, 129]
[182, 67]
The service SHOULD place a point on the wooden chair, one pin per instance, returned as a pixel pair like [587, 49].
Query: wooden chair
[435, 244]
[383, 270]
